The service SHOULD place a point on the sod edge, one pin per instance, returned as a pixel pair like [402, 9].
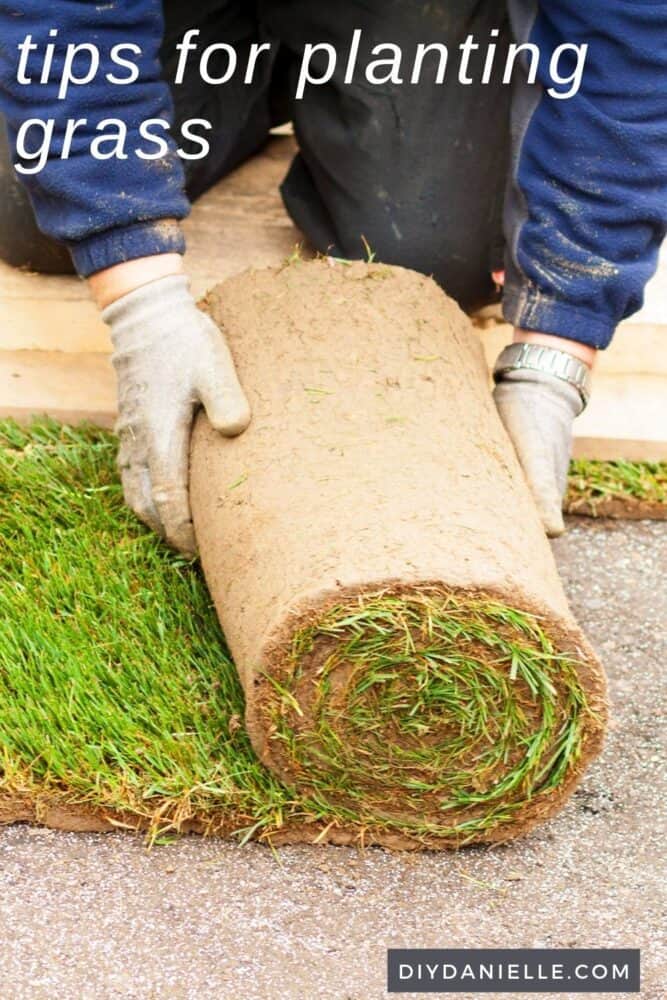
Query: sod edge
[633, 490]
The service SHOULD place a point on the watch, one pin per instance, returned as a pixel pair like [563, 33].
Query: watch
[539, 358]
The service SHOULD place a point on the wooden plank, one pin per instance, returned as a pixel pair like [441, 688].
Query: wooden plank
[619, 449]
[67, 386]
[627, 417]
[64, 320]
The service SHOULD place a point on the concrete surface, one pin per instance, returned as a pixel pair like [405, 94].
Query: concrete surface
[97, 916]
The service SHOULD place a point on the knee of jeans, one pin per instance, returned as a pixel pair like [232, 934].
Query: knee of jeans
[43, 255]
[23, 245]
[459, 262]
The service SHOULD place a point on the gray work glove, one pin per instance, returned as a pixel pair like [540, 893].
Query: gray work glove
[538, 411]
[169, 358]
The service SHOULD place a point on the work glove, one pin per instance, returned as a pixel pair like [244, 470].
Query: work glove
[538, 410]
[169, 358]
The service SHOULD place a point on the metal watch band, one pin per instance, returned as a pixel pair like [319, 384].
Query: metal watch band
[539, 358]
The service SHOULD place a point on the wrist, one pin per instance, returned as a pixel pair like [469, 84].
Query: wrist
[555, 370]
[583, 352]
[114, 282]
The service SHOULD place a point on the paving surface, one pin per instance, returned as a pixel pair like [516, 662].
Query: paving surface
[98, 916]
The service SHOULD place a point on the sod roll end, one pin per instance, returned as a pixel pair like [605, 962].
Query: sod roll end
[406, 650]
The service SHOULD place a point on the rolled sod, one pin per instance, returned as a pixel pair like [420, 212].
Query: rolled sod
[378, 566]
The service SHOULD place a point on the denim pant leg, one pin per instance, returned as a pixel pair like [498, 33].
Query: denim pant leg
[419, 170]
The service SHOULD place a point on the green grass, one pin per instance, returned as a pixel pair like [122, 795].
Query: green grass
[453, 712]
[594, 481]
[115, 686]
[116, 689]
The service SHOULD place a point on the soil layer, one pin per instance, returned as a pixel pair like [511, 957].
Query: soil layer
[619, 508]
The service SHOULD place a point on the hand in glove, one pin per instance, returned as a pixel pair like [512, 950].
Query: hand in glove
[169, 358]
[538, 410]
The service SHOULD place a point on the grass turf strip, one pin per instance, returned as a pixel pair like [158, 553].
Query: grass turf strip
[619, 480]
[115, 687]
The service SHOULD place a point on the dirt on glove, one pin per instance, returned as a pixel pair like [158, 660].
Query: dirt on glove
[379, 569]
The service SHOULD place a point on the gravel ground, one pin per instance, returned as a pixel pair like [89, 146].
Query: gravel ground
[98, 916]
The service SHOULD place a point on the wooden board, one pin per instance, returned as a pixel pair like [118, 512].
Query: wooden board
[68, 386]
[54, 347]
